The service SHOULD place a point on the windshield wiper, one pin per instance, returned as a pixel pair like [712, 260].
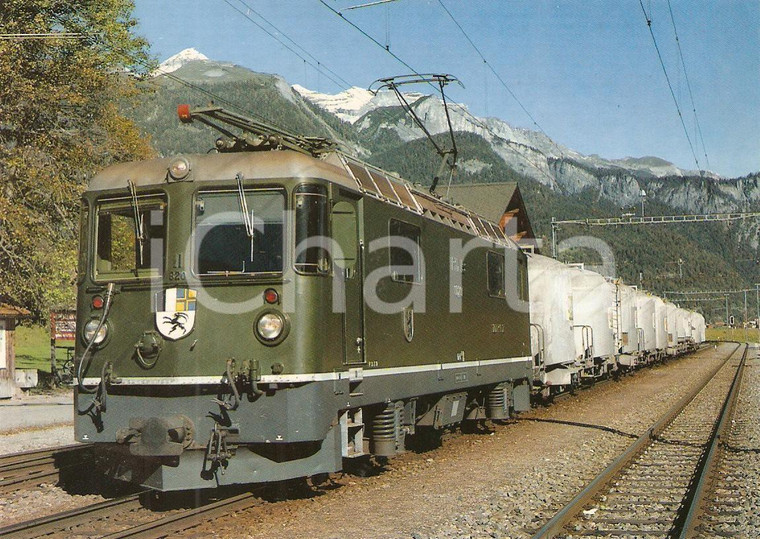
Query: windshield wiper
[139, 229]
[247, 218]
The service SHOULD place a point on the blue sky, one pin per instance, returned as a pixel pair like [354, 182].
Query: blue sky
[585, 70]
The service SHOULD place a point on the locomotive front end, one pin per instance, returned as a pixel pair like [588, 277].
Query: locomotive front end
[192, 368]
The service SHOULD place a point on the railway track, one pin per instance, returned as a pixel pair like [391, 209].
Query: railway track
[19, 470]
[730, 480]
[129, 516]
[652, 490]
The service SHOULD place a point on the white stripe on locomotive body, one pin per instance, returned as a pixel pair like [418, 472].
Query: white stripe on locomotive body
[311, 377]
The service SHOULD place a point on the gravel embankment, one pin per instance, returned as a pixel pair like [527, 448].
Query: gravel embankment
[643, 499]
[736, 501]
[502, 484]
[505, 484]
[36, 422]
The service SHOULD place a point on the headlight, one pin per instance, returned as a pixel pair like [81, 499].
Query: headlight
[179, 168]
[270, 326]
[89, 332]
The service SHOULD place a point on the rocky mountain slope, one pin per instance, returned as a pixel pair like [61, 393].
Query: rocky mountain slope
[556, 181]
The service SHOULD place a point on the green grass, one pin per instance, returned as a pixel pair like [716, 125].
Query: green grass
[728, 334]
[33, 348]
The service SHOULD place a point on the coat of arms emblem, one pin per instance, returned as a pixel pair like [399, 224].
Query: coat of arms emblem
[178, 315]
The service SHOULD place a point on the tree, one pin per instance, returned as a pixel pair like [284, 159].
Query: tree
[66, 68]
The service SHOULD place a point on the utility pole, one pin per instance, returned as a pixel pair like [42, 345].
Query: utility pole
[726, 309]
[554, 238]
[643, 195]
[745, 316]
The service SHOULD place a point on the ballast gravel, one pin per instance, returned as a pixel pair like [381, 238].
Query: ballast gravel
[503, 484]
[735, 507]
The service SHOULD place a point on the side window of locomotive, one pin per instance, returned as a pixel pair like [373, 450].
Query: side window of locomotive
[344, 229]
[236, 235]
[495, 274]
[404, 255]
[311, 230]
[130, 238]
[522, 277]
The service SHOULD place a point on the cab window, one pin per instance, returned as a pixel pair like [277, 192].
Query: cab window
[495, 274]
[311, 229]
[129, 237]
[239, 232]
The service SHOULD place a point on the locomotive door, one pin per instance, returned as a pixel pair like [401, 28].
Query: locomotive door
[346, 219]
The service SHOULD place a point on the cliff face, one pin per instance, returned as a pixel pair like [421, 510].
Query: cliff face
[536, 156]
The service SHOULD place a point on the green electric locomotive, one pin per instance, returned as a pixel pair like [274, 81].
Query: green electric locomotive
[268, 310]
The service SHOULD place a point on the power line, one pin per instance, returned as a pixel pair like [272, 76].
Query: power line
[347, 84]
[707, 292]
[215, 97]
[498, 77]
[377, 3]
[649, 220]
[317, 67]
[688, 84]
[46, 35]
[670, 86]
[463, 110]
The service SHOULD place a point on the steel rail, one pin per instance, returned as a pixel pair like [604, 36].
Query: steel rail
[62, 521]
[557, 523]
[12, 459]
[171, 524]
[34, 466]
[698, 498]
[34, 475]
[160, 527]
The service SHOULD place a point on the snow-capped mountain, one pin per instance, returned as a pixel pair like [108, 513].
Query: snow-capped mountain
[529, 152]
[173, 63]
[369, 118]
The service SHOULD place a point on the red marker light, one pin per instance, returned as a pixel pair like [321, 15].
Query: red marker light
[97, 302]
[271, 296]
[183, 111]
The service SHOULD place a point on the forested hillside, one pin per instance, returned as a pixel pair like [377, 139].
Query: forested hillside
[712, 256]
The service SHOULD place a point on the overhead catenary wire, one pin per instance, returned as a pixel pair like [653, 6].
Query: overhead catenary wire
[216, 98]
[491, 68]
[43, 35]
[147, 65]
[688, 85]
[331, 75]
[369, 4]
[463, 110]
[307, 53]
[670, 85]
